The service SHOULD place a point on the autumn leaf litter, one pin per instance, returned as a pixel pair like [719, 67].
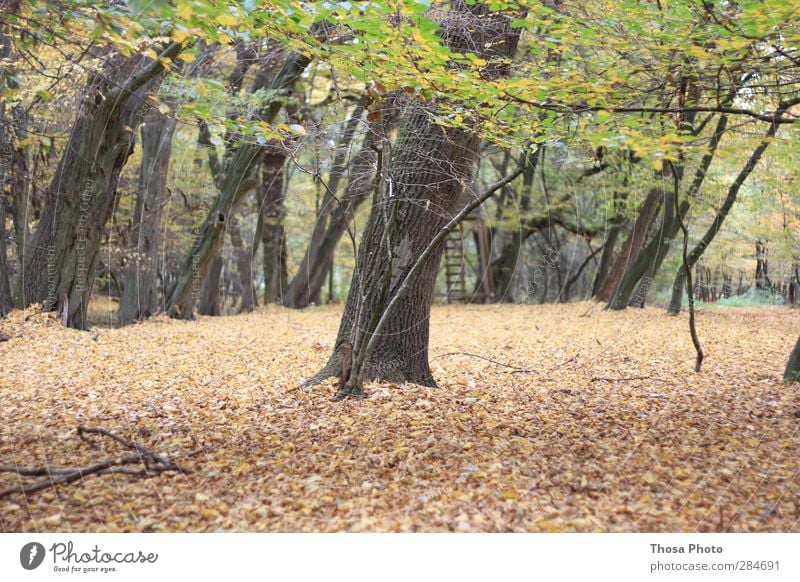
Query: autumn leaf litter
[585, 421]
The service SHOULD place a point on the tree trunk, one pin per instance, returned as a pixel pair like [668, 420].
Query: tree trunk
[5, 285]
[505, 265]
[643, 270]
[632, 245]
[139, 300]
[792, 373]
[601, 274]
[12, 175]
[83, 193]
[210, 303]
[6, 152]
[763, 282]
[244, 265]
[273, 235]
[237, 181]
[697, 252]
[415, 197]
[318, 260]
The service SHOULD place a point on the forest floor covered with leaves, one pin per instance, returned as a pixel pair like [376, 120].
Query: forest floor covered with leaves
[595, 422]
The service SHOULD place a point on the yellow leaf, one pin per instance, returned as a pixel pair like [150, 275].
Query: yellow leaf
[180, 35]
[227, 20]
[510, 494]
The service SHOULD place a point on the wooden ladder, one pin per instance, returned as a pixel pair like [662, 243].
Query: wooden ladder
[454, 266]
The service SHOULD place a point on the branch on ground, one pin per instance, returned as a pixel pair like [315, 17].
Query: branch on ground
[151, 464]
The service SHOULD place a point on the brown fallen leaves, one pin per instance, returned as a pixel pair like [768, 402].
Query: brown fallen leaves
[599, 425]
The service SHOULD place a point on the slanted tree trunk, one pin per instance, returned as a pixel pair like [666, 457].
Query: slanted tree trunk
[335, 215]
[63, 252]
[414, 200]
[237, 181]
[606, 256]
[632, 245]
[697, 252]
[139, 300]
[642, 272]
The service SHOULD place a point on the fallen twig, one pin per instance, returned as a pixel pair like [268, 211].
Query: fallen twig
[152, 462]
[629, 379]
[516, 369]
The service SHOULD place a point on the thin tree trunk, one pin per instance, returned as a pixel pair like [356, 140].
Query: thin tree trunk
[139, 300]
[301, 289]
[697, 252]
[505, 265]
[643, 270]
[5, 285]
[316, 264]
[601, 274]
[273, 235]
[792, 373]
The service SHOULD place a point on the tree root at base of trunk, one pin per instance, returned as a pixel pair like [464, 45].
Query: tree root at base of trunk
[351, 392]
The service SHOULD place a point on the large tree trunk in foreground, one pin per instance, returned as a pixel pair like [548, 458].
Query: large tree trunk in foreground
[237, 181]
[59, 268]
[139, 300]
[792, 372]
[697, 252]
[415, 199]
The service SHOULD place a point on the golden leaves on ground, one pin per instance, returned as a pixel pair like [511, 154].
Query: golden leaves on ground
[607, 429]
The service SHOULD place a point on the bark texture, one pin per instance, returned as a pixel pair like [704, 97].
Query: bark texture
[139, 299]
[273, 234]
[59, 269]
[632, 245]
[792, 373]
[416, 195]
